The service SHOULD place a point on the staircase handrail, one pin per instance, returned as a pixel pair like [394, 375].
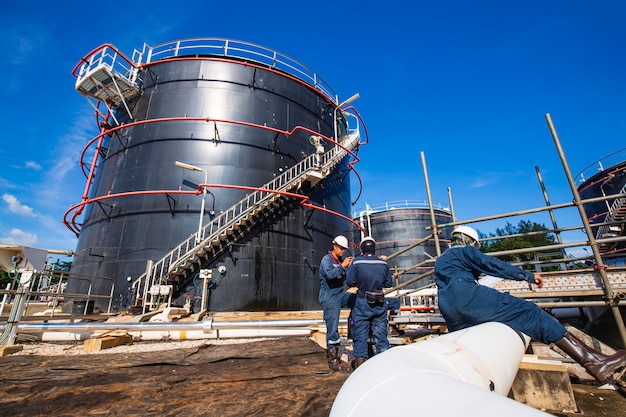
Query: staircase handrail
[615, 208]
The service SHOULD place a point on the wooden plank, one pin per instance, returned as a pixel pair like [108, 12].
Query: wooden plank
[92, 345]
[9, 350]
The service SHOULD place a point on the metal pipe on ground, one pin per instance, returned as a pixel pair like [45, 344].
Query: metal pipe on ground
[206, 329]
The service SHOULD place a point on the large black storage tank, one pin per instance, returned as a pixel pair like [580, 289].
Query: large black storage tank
[397, 225]
[248, 105]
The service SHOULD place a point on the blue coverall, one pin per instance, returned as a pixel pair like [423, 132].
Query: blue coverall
[369, 273]
[332, 297]
[464, 302]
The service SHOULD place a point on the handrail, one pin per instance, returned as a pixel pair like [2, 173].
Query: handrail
[109, 56]
[128, 68]
[59, 294]
[618, 205]
[233, 49]
[600, 165]
[399, 204]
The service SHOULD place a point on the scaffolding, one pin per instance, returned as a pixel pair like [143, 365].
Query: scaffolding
[584, 281]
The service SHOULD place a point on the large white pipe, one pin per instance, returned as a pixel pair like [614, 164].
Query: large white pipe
[464, 373]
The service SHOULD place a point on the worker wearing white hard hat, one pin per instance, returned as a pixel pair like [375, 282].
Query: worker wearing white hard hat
[333, 296]
[464, 303]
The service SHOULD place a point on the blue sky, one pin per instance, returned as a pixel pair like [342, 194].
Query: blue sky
[467, 83]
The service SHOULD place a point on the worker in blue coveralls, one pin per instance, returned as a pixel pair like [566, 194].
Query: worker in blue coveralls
[333, 296]
[370, 274]
[464, 302]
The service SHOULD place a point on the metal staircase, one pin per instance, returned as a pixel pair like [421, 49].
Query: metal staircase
[163, 277]
[615, 220]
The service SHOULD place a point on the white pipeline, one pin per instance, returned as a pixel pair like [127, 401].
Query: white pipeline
[463, 373]
[207, 329]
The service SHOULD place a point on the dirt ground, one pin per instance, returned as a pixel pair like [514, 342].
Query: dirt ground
[281, 377]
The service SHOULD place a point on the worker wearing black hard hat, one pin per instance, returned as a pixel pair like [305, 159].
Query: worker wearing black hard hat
[370, 274]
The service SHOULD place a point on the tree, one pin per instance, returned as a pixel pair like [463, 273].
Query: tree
[62, 265]
[4, 278]
[525, 240]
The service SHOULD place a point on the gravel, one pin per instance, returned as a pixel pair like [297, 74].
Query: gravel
[76, 348]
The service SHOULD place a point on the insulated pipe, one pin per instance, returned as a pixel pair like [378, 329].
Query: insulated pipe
[173, 330]
[179, 335]
[164, 316]
[464, 373]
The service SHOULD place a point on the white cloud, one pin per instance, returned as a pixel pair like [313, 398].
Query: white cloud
[16, 207]
[69, 148]
[19, 237]
[483, 181]
[33, 165]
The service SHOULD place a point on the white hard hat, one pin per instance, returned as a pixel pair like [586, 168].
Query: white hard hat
[341, 241]
[469, 232]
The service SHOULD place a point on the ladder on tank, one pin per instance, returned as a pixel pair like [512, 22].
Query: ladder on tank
[163, 277]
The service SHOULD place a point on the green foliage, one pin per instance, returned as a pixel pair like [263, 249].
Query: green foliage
[527, 239]
[4, 278]
[62, 265]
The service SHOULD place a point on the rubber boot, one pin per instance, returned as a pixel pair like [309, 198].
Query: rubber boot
[356, 362]
[600, 366]
[334, 363]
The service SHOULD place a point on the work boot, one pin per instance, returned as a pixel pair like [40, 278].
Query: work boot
[334, 363]
[600, 366]
[356, 362]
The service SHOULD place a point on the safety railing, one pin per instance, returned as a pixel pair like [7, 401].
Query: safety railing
[400, 204]
[601, 165]
[106, 56]
[233, 49]
[617, 213]
[55, 294]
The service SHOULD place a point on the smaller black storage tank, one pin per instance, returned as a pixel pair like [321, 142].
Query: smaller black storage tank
[396, 226]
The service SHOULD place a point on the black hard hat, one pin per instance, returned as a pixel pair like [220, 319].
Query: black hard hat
[368, 245]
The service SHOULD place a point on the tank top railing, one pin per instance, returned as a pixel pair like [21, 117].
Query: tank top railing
[601, 165]
[233, 49]
[252, 204]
